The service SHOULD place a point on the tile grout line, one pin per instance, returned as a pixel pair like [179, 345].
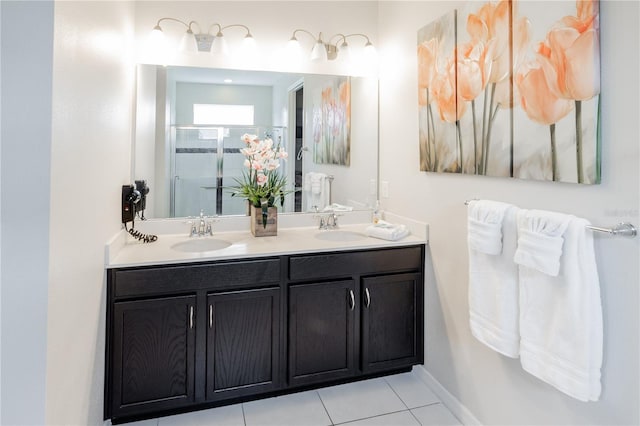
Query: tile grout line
[371, 417]
[396, 393]
[244, 419]
[325, 408]
[405, 404]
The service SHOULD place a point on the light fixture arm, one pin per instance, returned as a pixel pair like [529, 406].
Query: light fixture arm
[238, 25]
[157, 27]
[215, 25]
[293, 36]
[357, 34]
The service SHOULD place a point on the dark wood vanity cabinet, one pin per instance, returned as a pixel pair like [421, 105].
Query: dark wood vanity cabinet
[153, 354]
[369, 321]
[322, 332]
[243, 339]
[182, 337]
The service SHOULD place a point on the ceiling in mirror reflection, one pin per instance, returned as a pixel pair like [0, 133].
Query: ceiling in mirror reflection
[190, 168]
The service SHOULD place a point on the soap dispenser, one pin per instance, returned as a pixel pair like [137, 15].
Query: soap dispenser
[377, 213]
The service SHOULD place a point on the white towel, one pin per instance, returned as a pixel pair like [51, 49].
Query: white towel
[485, 225]
[540, 240]
[316, 190]
[335, 207]
[387, 231]
[561, 314]
[306, 183]
[493, 277]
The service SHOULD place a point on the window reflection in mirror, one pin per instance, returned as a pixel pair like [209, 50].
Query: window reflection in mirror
[189, 124]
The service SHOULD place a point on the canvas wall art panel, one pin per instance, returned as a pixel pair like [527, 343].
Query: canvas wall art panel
[521, 94]
[332, 122]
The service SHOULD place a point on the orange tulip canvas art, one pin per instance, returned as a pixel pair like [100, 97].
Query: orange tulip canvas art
[510, 88]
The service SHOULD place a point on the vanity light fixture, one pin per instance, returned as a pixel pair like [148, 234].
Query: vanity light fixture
[202, 42]
[322, 52]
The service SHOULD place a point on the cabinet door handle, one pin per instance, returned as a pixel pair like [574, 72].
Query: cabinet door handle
[367, 297]
[210, 316]
[190, 316]
[352, 300]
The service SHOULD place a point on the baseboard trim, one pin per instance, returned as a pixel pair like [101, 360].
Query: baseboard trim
[451, 402]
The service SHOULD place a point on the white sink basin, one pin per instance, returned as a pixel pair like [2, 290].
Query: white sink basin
[339, 235]
[200, 245]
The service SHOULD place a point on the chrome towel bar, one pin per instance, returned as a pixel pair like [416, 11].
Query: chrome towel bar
[623, 229]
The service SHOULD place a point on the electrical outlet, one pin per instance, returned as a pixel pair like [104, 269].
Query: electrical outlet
[373, 187]
[384, 189]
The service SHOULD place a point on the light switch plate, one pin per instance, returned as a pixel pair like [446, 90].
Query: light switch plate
[372, 187]
[384, 189]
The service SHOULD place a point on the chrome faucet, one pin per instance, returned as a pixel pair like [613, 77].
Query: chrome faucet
[204, 227]
[328, 221]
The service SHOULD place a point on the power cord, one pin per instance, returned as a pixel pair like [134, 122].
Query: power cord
[145, 238]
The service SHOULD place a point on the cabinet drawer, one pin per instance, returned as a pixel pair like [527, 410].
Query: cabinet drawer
[362, 262]
[228, 275]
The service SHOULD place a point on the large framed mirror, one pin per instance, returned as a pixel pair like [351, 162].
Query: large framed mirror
[189, 124]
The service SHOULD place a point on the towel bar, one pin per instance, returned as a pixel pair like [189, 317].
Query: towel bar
[623, 229]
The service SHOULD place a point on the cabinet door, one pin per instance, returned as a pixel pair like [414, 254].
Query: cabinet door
[243, 343]
[391, 321]
[322, 331]
[153, 354]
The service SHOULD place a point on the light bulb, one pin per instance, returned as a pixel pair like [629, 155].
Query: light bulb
[319, 52]
[219, 46]
[157, 46]
[293, 48]
[249, 47]
[188, 43]
[156, 38]
[370, 54]
[344, 51]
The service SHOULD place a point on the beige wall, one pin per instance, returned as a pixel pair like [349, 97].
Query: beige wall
[93, 79]
[494, 388]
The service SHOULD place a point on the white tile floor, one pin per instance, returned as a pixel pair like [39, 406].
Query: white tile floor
[397, 400]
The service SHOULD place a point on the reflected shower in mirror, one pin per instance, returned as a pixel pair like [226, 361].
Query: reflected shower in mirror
[189, 127]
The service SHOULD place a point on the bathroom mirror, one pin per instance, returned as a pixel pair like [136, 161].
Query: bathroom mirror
[188, 127]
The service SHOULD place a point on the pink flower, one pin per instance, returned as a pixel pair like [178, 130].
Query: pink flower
[474, 67]
[570, 54]
[261, 179]
[536, 97]
[450, 106]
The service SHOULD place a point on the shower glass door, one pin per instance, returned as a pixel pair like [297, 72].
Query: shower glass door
[206, 163]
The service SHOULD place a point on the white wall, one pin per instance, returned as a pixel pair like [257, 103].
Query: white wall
[26, 145]
[495, 388]
[90, 155]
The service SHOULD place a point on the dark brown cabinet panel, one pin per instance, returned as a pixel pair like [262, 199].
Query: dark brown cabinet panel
[243, 343]
[391, 321]
[321, 331]
[153, 354]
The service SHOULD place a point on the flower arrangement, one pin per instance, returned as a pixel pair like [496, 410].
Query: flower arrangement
[261, 184]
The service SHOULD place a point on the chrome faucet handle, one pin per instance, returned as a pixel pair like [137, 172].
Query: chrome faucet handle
[332, 220]
[209, 230]
[193, 231]
[322, 221]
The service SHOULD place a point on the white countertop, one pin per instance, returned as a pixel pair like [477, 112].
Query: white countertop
[124, 251]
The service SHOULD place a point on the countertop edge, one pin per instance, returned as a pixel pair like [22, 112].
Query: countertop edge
[123, 252]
